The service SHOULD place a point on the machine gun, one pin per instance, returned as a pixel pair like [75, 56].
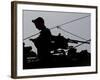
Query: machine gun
[77, 41]
[59, 42]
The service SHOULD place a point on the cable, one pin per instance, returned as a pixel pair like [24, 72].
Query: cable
[73, 20]
[32, 35]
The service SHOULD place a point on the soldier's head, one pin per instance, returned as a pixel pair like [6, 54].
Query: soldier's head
[39, 23]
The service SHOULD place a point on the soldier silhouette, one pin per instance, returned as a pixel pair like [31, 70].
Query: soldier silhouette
[42, 42]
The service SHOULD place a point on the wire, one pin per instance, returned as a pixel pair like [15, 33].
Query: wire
[32, 35]
[71, 21]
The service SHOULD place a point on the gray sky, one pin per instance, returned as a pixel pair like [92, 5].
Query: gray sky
[80, 27]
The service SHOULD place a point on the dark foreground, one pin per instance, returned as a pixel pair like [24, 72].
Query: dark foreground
[70, 60]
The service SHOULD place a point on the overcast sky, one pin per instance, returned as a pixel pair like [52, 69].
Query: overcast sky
[80, 27]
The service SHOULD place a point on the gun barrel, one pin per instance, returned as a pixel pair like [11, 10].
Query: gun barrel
[76, 41]
[84, 42]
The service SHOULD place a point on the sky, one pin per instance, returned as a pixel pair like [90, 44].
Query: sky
[81, 27]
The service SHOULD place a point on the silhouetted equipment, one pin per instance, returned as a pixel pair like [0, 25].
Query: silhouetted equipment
[26, 50]
[28, 55]
[72, 51]
[81, 41]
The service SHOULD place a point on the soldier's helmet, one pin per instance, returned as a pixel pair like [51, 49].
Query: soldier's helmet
[38, 20]
[39, 23]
